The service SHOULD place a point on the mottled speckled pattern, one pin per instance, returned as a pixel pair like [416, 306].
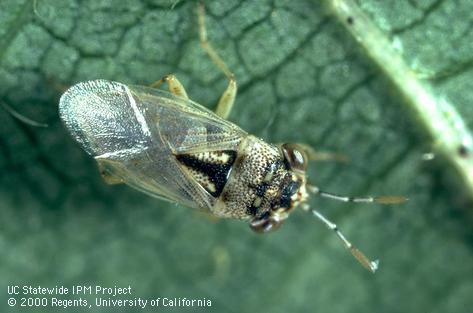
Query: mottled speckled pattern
[251, 191]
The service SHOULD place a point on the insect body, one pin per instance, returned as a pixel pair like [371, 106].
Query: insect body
[173, 148]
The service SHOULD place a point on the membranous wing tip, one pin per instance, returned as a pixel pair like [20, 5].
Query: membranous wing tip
[103, 116]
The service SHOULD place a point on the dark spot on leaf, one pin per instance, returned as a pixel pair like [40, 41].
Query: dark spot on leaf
[463, 151]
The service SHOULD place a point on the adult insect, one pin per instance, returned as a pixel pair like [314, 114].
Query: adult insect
[172, 148]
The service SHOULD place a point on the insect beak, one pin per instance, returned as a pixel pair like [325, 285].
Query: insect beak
[265, 224]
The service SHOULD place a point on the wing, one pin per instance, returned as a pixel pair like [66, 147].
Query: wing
[138, 134]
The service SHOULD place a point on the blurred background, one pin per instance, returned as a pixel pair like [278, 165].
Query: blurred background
[302, 78]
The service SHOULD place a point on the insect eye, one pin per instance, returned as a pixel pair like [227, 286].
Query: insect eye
[294, 157]
[265, 224]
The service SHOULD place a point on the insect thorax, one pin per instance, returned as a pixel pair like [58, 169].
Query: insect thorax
[259, 182]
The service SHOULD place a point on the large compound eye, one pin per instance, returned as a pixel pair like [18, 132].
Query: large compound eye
[295, 157]
[265, 224]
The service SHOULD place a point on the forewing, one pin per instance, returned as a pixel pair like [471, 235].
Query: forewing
[136, 133]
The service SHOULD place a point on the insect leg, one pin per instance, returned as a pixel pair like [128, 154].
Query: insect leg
[227, 99]
[175, 87]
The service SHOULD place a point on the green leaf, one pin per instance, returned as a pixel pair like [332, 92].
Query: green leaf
[305, 75]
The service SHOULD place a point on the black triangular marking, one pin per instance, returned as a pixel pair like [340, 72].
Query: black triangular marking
[214, 166]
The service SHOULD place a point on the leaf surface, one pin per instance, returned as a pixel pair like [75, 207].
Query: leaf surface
[303, 77]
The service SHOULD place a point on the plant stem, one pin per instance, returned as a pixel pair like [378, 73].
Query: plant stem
[450, 135]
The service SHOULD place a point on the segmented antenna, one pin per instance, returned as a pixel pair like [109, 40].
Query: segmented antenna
[380, 199]
[372, 266]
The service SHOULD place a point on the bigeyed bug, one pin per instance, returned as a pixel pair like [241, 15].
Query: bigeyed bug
[172, 148]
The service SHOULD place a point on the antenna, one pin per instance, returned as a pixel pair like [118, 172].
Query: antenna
[380, 199]
[21, 117]
[372, 266]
